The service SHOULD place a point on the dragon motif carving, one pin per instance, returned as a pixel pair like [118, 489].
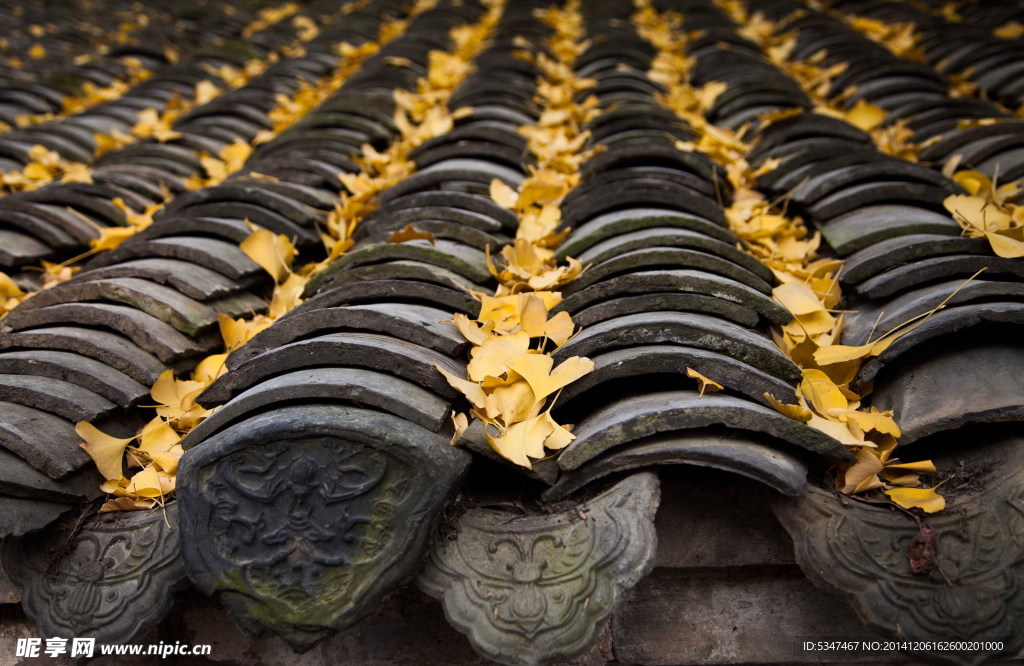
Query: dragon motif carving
[115, 582]
[538, 589]
[970, 586]
[302, 535]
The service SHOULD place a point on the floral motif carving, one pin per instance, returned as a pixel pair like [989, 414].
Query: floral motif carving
[301, 535]
[537, 589]
[973, 589]
[114, 582]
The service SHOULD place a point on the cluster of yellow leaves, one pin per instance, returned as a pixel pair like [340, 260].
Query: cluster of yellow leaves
[152, 123]
[289, 109]
[901, 39]
[420, 115]
[91, 94]
[988, 211]
[871, 434]
[156, 449]
[11, 294]
[512, 386]
[44, 166]
[816, 80]
[509, 383]
[672, 67]
[269, 16]
[556, 141]
[274, 253]
[808, 285]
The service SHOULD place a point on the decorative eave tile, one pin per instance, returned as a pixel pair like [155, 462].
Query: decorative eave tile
[538, 589]
[951, 576]
[114, 582]
[301, 518]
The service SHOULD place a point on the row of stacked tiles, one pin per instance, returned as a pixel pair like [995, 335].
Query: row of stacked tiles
[89, 349]
[885, 216]
[38, 225]
[69, 38]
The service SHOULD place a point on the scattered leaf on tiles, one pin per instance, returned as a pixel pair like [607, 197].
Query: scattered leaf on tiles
[926, 499]
[273, 252]
[705, 383]
[865, 116]
[409, 233]
[106, 452]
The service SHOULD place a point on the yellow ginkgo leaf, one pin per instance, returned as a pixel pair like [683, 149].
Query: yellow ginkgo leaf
[862, 475]
[216, 169]
[926, 466]
[111, 238]
[872, 420]
[865, 116]
[837, 430]
[126, 504]
[75, 172]
[536, 369]
[147, 483]
[409, 233]
[523, 440]
[977, 212]
[460, 423]
[273, 252]
[559, 328]
[533, 315]
[107, 142]
[974, 182]
[823, 394]
[1004, 245]
[561, 435]
[472, 330]
[8, 289]
[1011, 30]
[37, 171]
[705, 383]
[205, 91]
[489, 359]
[796, 412]
[167, 461]
[106, 451]
[287, 295]
[832, 354]
[473, 391]
[157, 436]
[798, 298]
[234, 155]
[503, 195]
[925, 499]
[210, 368]
[175, 397]
[709, 92]
[512, 403]
[236, 332]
